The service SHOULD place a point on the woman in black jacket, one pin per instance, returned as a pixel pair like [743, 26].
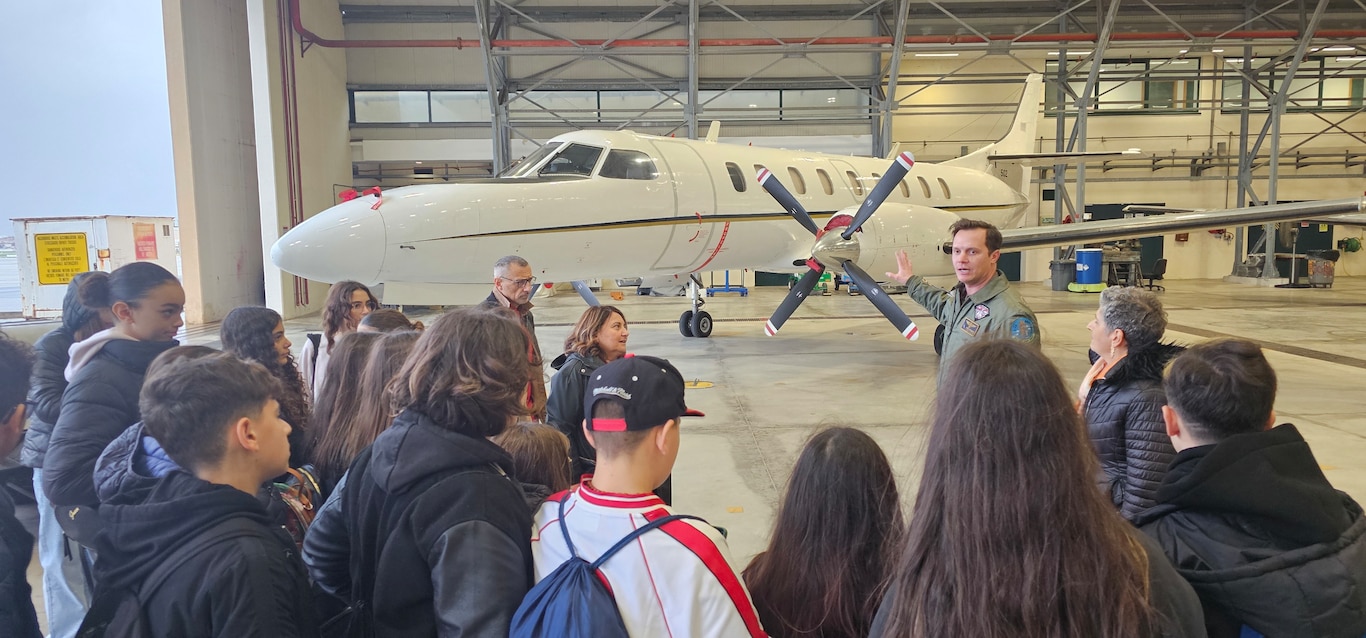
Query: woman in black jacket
[105, 374]
[1121, 397]
[427, 534]
[597, 339]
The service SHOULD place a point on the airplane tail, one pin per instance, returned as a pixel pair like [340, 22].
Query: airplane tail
[1022, 135]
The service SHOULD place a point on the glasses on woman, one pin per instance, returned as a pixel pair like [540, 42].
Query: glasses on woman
[357, 305]
[520, 283]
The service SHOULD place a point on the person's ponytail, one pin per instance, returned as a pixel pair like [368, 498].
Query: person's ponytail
[93, 291]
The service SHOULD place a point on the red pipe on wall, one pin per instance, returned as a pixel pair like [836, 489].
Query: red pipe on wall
[1059, 38]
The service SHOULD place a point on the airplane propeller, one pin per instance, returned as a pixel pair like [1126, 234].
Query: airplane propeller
[839, 249]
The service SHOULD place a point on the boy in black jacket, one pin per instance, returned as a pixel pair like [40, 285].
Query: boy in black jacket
[1245, 513]
[17, 616]
[217, 419]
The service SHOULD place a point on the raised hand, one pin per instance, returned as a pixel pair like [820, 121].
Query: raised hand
[903, 265]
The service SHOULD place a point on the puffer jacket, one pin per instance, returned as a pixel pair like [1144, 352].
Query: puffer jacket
[564, 408]
[1265, 539]
[49, 383]
[1123, 413]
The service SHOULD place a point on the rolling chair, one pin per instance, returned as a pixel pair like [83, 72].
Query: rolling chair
[1159, 270]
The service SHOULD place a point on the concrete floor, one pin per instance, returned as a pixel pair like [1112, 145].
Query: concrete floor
[838, 362]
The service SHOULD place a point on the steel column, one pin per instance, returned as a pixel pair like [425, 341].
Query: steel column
[502, 146]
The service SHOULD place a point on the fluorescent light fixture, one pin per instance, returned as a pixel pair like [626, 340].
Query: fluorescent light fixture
[936, 55]
[1179, 62]
[1071, 54]
[1351, 59]
[1216, 50]
[1338, 48]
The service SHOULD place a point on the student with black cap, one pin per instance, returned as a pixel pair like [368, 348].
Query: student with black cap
[681, 580]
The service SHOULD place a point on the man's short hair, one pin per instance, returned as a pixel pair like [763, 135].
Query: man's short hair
[1220, 388]
[16, 366]
[187, 405]
[614, 444]
[994, 238]
[501, 267]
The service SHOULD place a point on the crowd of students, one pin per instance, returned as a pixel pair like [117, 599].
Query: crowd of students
[443, 508]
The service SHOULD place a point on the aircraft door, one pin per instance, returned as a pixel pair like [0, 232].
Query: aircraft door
[694, 198]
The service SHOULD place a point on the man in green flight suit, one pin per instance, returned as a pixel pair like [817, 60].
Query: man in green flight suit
[982, 305]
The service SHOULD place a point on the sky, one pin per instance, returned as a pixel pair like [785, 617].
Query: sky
[86, 124]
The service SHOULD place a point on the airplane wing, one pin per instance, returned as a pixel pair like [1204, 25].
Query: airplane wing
[1333, 211]
[1030, 159]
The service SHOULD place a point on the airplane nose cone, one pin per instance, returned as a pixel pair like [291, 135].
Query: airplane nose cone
[342, 242]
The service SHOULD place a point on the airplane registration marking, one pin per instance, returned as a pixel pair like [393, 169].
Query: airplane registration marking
[724, 229]
[668, 221]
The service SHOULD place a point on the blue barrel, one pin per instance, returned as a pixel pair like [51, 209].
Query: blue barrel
[1089, 266]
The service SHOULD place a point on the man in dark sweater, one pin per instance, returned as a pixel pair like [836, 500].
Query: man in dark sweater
[178, 500]
[1245, 513]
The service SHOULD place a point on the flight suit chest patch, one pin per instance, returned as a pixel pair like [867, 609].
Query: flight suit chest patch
[970, 327]
[980, 312]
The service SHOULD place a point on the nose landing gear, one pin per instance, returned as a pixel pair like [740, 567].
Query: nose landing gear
[695, 322]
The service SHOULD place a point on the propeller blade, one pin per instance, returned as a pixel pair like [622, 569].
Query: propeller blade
[879, 297]
[879, 194]
[786, 200]
[584, 291]
[794, 298]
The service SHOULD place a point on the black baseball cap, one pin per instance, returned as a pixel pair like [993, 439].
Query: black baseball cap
[649, 390]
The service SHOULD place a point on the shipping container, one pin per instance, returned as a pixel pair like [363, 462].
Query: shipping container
[52, 250]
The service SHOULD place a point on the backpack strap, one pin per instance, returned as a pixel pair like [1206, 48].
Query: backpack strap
[235, 527]
[315, 338]
[627, 540]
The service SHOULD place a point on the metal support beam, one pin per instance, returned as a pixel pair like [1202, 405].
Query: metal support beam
[1278, 102]
[1088, 95]
[502, 146]
[690, 112]
[889, 101]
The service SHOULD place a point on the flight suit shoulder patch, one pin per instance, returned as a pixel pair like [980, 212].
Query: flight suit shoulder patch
[1022, 328]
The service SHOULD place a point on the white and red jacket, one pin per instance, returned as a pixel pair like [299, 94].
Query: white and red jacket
[675, 581]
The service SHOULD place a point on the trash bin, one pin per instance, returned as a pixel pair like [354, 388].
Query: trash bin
[1090, 265]
[1321, 265]
[1062, 270]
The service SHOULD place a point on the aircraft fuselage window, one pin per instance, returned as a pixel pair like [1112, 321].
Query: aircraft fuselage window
[924, 187]
[737, 179]
[825, 182]
[905, 190]
[576, 159]
[523, 168]
[798, 183]
[854, 183]
[944, 186]
[624, 164]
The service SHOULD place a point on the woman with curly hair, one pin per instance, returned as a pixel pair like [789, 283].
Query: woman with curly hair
[597, 339]
[256, 333]
[348, 302]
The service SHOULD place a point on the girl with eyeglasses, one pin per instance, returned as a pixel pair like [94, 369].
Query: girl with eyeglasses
[347, 303]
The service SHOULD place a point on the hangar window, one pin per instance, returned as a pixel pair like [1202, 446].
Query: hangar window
[1131, 86]
[944, 186]
[1333, 82]
[737, 179]
[624, 164]
[388, 107]
[576, 159]
[905, 190]
[854, 183]
[825, 182]
[924, 187]
[798, 184]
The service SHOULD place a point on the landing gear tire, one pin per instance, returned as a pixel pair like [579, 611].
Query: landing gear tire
[685, 323]
[701, 324]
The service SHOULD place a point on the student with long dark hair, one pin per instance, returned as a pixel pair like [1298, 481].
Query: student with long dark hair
[540, 459]
[354, 421]
[105, 374]
[64, 595]
[348, 302]
[256, 333]
[427, 519]
[598, 338]
[834, 542]
[1009, 536]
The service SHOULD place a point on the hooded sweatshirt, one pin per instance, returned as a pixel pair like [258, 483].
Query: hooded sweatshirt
[1266, 541]
[106, 373]
[251, 584]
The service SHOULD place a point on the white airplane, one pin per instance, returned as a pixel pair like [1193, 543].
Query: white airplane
[594, 204]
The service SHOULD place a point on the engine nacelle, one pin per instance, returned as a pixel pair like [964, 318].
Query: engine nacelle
[921, 231]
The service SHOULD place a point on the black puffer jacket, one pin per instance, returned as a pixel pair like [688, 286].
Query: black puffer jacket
[1124, 417]
[49, 383]
[1266, 541]
[564, 408]
[248, 586]
[18, 619]
[100, 403]
[428, 532]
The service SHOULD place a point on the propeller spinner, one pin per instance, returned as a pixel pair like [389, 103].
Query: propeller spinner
[839, 249]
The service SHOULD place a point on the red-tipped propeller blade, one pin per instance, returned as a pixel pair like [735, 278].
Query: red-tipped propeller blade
[785, 199]
[794, 298]
[875, 294]
[879, 194]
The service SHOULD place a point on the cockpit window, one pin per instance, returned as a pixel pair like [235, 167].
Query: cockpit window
[576, 159]
[523, 168]
[624, 164]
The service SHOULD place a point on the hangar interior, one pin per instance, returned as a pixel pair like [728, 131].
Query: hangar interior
[279, 105]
